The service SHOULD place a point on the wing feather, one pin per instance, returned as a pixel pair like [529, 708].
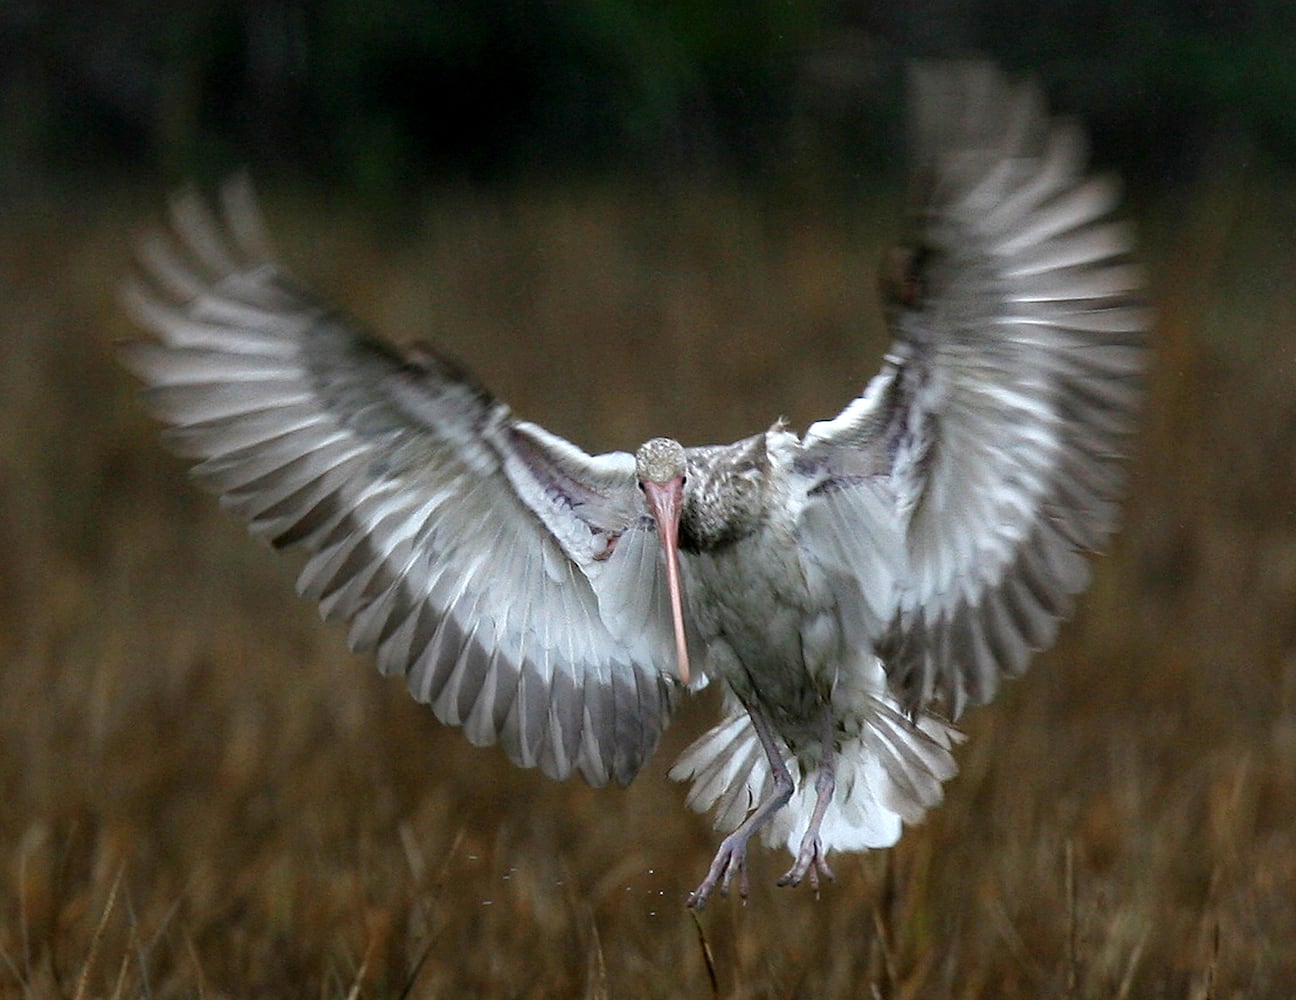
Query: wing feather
[957, 497]
[467, 550]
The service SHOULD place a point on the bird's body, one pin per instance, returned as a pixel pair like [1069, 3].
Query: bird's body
[768, 633]
[745, 592]
[852, 587]
[773, 631]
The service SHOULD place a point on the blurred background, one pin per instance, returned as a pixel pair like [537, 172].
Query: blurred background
[629, 219]
[385, 97]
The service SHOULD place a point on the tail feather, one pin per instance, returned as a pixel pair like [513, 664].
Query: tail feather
[888, 775]
[915, 757]
[728, 768]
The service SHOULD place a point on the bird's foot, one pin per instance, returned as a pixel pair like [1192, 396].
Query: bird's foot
[730, 860]
[811, 860]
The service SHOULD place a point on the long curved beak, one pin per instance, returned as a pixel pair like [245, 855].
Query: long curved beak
[665, 501]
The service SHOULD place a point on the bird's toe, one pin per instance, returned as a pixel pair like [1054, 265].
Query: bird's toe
[730, 860]
[811, 861]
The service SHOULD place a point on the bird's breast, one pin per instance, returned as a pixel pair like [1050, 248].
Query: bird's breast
[751, 606]
[710, 528]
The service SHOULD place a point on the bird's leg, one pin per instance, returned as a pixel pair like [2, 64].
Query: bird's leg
[731, 857]
[812, 859]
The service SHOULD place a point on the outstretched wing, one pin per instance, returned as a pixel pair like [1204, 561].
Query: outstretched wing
[953, 502]
[509, 576]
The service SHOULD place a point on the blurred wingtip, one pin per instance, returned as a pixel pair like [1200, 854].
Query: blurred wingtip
[243, 216]
[962, 111]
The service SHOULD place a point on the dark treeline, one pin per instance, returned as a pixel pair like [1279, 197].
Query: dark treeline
[379, 93]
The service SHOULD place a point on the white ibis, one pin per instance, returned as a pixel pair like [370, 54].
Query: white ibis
[852, 588]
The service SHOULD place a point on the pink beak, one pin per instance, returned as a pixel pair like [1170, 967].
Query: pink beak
[665, 501]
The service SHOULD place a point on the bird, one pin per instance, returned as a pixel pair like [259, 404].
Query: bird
[853, 589]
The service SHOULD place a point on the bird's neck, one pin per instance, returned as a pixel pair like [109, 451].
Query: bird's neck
[725, 497]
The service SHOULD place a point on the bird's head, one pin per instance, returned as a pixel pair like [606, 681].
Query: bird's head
[659, 461]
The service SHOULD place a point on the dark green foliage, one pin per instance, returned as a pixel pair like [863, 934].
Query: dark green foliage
[383, 95]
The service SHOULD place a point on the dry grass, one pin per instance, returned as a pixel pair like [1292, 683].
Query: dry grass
[204, 795]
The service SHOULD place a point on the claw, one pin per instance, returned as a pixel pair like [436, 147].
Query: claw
[731, 858]
[812, 860]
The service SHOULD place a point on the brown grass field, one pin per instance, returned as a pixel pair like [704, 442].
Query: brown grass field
[202, 794]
